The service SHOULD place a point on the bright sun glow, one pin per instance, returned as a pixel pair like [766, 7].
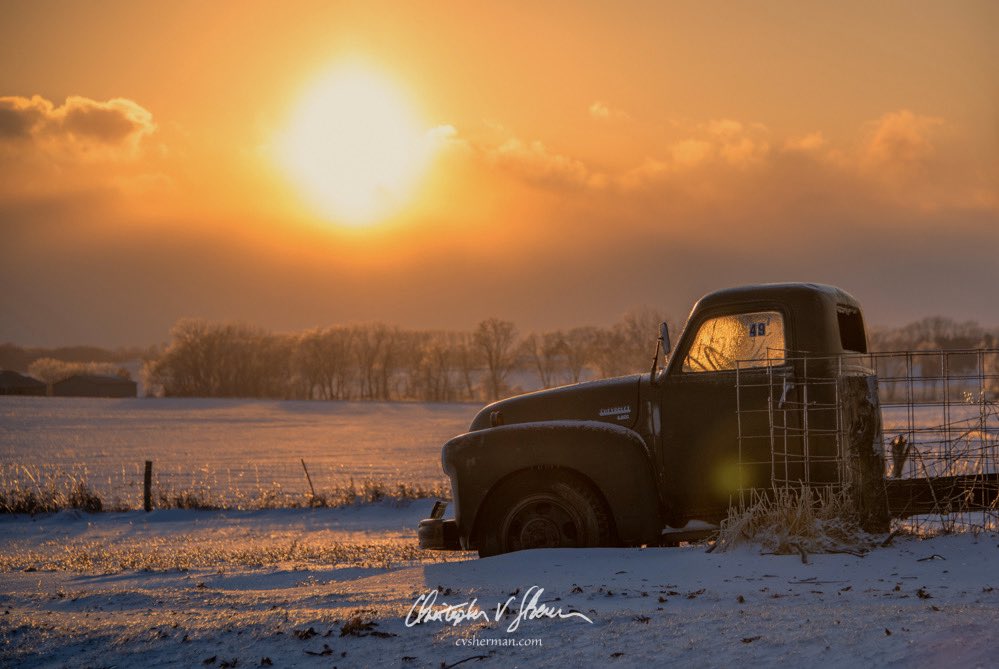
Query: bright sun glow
[354, 147]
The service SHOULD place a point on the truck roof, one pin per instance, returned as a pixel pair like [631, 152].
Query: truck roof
[789, 292]
[825, 319]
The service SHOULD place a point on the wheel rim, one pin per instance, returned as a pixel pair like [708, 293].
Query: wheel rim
[541, 521]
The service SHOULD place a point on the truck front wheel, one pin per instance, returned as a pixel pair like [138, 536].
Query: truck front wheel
[543, 509]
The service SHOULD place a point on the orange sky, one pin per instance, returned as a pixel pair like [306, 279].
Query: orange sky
[584, 158]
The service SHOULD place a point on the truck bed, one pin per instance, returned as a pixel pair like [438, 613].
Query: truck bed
[942, 494]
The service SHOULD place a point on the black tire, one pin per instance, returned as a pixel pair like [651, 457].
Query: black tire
[542, 509]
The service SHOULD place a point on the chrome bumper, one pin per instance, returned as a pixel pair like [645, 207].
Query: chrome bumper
[437, 534]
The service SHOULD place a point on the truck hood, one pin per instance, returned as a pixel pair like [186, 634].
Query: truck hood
[608, 400]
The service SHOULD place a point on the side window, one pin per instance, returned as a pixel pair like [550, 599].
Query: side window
[756, 339]
[851, 329]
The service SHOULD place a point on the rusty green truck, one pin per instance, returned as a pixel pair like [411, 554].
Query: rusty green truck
[768, 385]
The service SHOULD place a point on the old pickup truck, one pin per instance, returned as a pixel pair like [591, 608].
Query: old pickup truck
[766, 387]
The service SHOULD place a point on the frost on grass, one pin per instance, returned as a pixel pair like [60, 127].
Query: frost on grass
[35, 489]
[791, 521]
[32, 490]
[198, 552]
[158, 555]
[206, 497]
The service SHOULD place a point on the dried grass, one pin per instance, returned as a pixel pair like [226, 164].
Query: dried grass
[34, 490]
[788, 521]
[200, 551]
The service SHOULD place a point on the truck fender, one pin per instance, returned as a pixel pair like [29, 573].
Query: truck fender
[613, 458]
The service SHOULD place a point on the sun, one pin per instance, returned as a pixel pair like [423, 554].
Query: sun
[354, 146]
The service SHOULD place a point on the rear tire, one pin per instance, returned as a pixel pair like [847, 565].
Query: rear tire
[543, 509]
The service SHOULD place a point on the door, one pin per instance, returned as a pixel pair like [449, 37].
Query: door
[727, 387]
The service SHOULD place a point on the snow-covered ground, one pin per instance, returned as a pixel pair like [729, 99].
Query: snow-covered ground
[334, 587]
[223, 447]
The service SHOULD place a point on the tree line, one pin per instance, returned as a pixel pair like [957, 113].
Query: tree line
[376, 361]
[52, 370]
[20, 358]
[934, 332]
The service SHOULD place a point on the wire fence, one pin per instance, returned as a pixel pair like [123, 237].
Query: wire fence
[810, 420]
[173, 485]
[213, 452]
[802, 421]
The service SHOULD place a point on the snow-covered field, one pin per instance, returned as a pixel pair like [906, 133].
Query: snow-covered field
[233, 450]
[334, 587]
[348, 587]
[228, 447]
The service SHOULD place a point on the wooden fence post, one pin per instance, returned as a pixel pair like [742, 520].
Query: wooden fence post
[312, 500]
[147, 491]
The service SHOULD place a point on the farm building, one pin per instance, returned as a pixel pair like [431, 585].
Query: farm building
[94, 385]
[12, 383]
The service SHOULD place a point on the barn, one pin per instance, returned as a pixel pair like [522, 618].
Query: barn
[95, 385]
[12, 383]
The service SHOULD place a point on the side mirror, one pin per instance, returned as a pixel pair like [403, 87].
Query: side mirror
[664, 338]
[662, 344]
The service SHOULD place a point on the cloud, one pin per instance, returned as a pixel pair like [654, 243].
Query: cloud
[739, 144]
[81, 145]
[927, 163]
[601, 111]
[744, 151]
[442, 133]
[723, 141]
[111, 122]
[531, 161]
[534, 162]
[712, 144]
[648, 172]
[19, 116]
[913, 161]
[690, 152]
[109, 130]
[724, 128]
[901, 138]
[813, 141]
[442, 138]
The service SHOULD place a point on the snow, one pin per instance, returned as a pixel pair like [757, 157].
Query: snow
[232, 448]
[179, 587]
[176, 588]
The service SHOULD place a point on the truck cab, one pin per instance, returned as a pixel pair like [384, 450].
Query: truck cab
[763, 388]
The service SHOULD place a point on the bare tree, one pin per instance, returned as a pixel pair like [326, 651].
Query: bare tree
[433, 367]
[639, 329]
[579, 344]
[496, 344]
[309, 365]
[222, 360]
[395, 345]
[465, 357]
[181, 370]
[547, 353]
[606, 352]
[628, 345]
[324, 361]
[340, 344]
[51, 370]
[370, 340]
